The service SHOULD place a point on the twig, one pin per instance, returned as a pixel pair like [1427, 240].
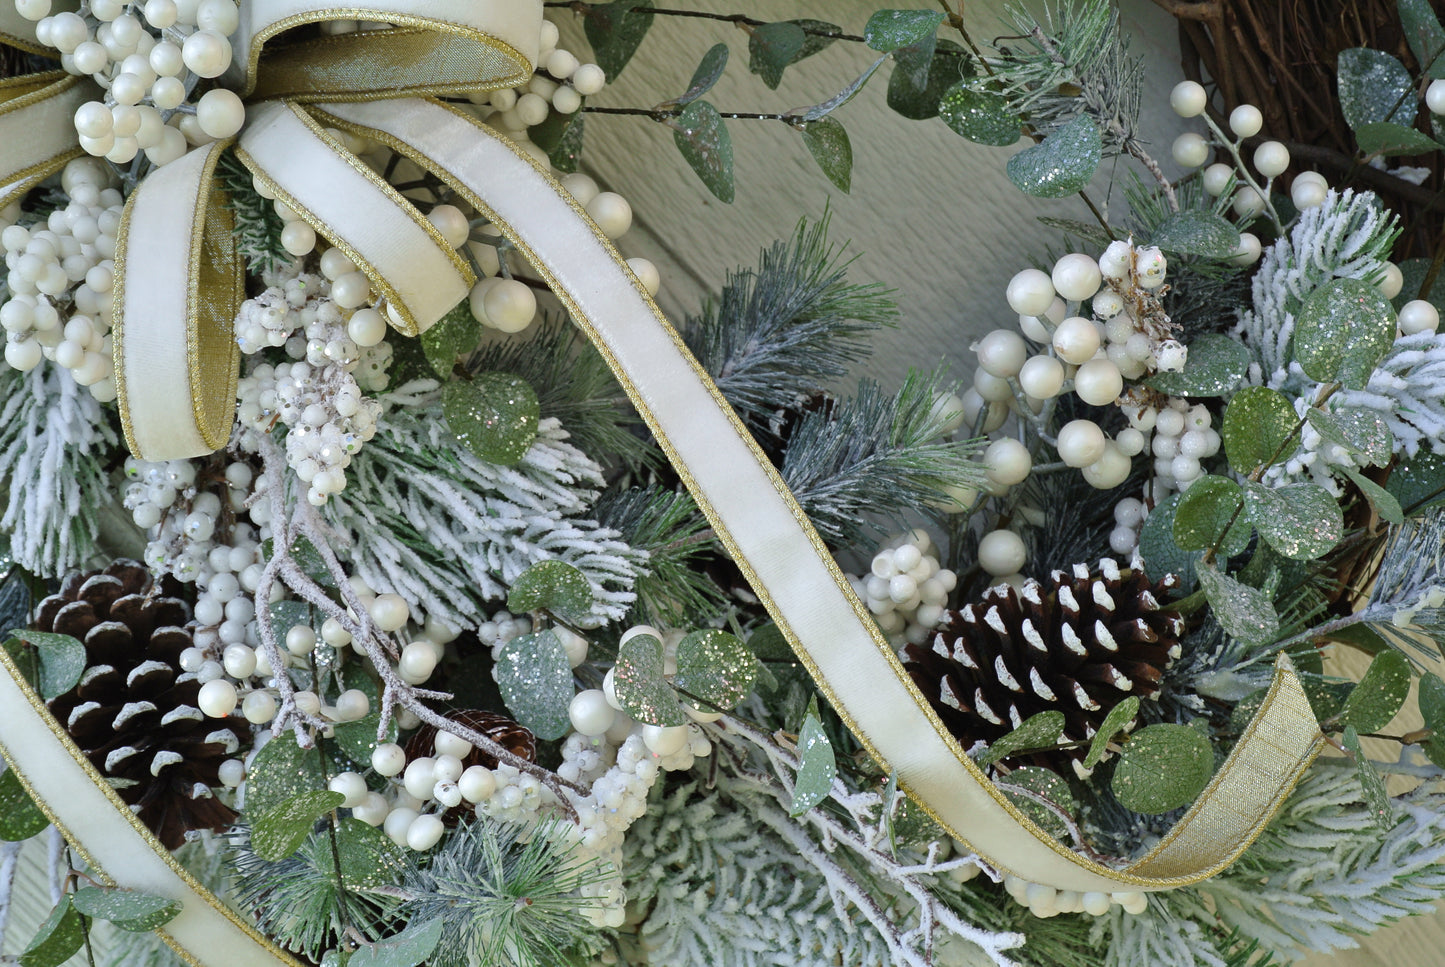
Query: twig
[9, 864]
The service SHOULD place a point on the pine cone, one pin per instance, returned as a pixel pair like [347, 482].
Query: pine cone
[515, 738]
[1079, 644]
[134, 712]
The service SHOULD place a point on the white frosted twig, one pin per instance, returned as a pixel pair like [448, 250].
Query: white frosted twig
[9, 864]
[57, 867]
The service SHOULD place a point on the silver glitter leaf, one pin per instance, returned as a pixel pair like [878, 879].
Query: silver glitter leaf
[1380, 694]
[1424, 35]
[279, 831]
[1215, 365]
[980, 116]
[20, 818]
[771, 48]
[1418, 482]
[1035, 732]
[555, 586]
[828, 143]
[642, 691]
[281, 771]
[61, 935]
[1049, 785]
[1210, 505]
[1376, 797]
[1061, 163]
[1162, 767]
[407, 949]
[1381, 499]
[535, 679]
[128, 909]
[615, 30]
[716, 667]
[1120, 719]
[1358, 430]
[1257, 426]
[1302, 521]
[368, 858]
[919, 102]
[889, 30]
[458, 332]
[1195, 232]
[1432, 702]
[706, 146]
[1393, 140]
[494, 415]
[1342, 332]
[1374, 86]
[824, 108]
[1245, 613]
[818, 766]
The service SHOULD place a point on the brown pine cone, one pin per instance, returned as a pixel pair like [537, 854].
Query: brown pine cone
[511, 736]
[134, 712]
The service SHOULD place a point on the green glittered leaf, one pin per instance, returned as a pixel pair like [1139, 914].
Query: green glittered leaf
[407, 949]
[1381, 499]
[1245, 613]
[888, 30]
[368, 858]
[1418, 482]
[1120, 719]
[536, 682]
[1393, 140]
[1196, 232]
[642, 690]
[1035, 732]
[919, 102]
[1380, 694]
[57, 940]
[1301, 521]
[1258, 424]
[457, 333]
[828, 143]
[980, 116]
[1424, 35]
[20, 818]
[1162, 767]
[128, 909]
[1050, 786]
[1382, 811]
[62, 660]
[771, 48]
[1215, 365]
[1342, 332]
[281, 771]
[818, 767]
[716, 667]
[494, 415]
[615, 30]
[1062, 163]
[1361, 432]
[703, 139]
[824, 108]
[1157, 547]
[1210, 505]
[1374, 86]
[709, 69]
[555, 586]
[818, 35]
[566, 153]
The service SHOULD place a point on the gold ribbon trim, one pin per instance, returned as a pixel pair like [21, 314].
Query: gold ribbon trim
[36, 126]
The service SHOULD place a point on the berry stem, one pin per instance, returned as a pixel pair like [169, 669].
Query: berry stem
[741, 20]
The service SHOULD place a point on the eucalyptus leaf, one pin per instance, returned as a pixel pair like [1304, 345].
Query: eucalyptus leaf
[703, 139]
[280, 772]
[1206, 509]
[888, 30]
[128, 909]
[494, 415]
[555, 586]
[357, 739]
[1197, 232]
[1258, 425]
[407, 949]
[1245, 613]
[62, 660]
[280, 830]
[566, 154]
[1035, 732]
[1380, 694]
[286, 615]
[1062, 163]
[1432, 702]
[20, 818]
[771, 48]
[828, 143]
[716, 667]
[1418, 482]
[1382, 811]
[1424, 35]
[1161, 768]
[1342, 332]
[1381, 499]
[615, 30]
[535, 678]
[949, 65]
[1359, 431]
[642, 690]
[1160, 552]
[1046, 784]
[980, 116]
[1392, 140]
[1374, 86]
[57, 940]
[1120, 718]
[709, 69]
[824, 108]
[817, 769]
[1301, 521]
[457, 332]
[369, 859]
[1215, 366]
[818, 35]
[25, 660]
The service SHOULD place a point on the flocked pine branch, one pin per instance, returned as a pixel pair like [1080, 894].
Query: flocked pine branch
[258, 227]
[1407, 389]
[787, 329]
[54, 441]
[449, 531]
[875, 456]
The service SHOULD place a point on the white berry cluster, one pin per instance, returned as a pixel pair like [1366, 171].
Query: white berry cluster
[1045, 901]
[1180, 435]
[150, 58]
[182, 514]
[60, 271]
[1129, 516]
[559, 84]
[906, 589]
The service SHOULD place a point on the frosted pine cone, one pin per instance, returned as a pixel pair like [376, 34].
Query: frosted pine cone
[134, 712]
[1079, 644]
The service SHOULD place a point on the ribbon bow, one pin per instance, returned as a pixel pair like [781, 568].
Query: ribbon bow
[178, 287]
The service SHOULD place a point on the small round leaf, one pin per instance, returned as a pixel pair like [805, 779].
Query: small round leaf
[1162, 768]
